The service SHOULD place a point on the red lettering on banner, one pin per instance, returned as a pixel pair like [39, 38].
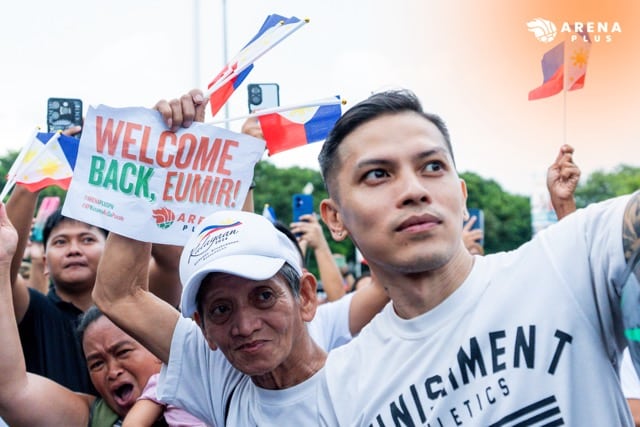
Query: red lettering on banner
[186, 147]
[144, 146]
[165, 162]
[226, 156]
[198, 188]
[129, 140]
[105, 135]
[205, 159]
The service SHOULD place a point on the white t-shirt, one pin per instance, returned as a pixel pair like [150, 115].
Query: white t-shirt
[629, 378]
[330, 326]
[202, 381]
[529, 335]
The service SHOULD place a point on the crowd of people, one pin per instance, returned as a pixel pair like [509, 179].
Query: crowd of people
[437, 333]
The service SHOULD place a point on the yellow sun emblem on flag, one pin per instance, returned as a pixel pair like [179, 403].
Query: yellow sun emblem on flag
[49, 167]
[580, 57]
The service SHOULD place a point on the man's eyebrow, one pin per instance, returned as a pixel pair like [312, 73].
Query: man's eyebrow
[373, 162]
[433, 151]
[383, 161]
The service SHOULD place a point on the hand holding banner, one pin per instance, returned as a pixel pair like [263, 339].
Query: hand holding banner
[136, 178]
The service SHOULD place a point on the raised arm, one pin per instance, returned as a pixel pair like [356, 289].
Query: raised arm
[312, 237]
[121, 292]
[562, 179]
[27, 399]
[21, 207]
[366, 303]
[164, 277]
[122, 284]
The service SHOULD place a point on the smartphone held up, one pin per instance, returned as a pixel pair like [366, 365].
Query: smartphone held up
[263, 95]
[478, 223]
[302, 204]
[63, 113]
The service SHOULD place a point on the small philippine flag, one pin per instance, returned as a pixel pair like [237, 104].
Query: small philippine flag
[49, 161]
[294, 128]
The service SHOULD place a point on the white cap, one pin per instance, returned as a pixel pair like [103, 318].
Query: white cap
[240, 243]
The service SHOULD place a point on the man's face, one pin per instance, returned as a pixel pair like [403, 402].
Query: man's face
[254, 323]
[398, 195]
[119, 366]
[73, 252]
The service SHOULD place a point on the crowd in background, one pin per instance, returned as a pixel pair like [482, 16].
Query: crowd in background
[127, 362]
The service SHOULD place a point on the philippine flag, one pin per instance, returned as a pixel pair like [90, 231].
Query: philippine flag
[274, 29]
[552, 72]
[564, 67]
[294, 128]
[269, 213]
[49, 160]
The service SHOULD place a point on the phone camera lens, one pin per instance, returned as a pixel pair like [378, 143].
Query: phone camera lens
[256, 99]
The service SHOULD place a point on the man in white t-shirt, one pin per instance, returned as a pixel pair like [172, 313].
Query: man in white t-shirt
[529, 337]
[630, 385]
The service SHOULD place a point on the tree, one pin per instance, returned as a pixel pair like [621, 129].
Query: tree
[600, 185]
[275, 186]
[507, 217]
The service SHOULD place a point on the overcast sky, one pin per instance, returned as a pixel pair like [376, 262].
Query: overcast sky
[471, 62]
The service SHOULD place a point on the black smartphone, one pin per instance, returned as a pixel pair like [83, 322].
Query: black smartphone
[263, 95]
[301, 204]
[63, 113]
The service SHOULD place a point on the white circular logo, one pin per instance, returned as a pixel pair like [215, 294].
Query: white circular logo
[544, 30]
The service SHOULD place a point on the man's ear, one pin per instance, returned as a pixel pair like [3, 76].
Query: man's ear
[333, 219]
[463, 188]
[198, 320]
[308, 296]
[46, 265]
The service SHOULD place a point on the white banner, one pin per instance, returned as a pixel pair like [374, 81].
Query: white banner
[135, 178]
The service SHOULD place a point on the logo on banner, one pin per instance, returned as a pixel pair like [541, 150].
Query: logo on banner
[546, 31]
[164, 217]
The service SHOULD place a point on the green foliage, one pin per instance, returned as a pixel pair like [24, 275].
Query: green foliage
[601, 185]
[275, 186]
[507, 217]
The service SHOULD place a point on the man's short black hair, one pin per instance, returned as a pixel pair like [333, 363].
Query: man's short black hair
[378, 104]
[56, 218]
